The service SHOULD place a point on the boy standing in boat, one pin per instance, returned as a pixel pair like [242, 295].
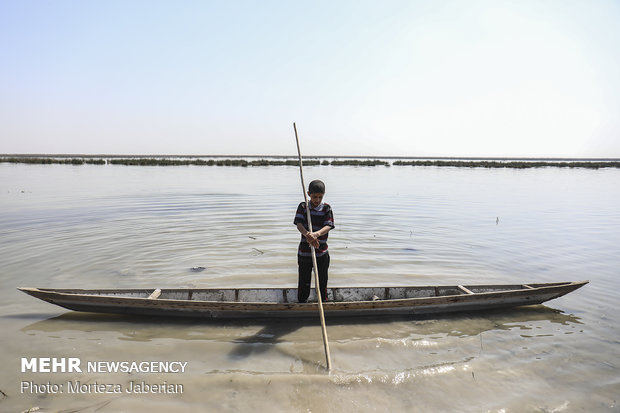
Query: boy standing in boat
[322, 223]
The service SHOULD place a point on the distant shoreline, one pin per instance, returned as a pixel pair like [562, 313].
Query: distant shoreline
[250, 156]
[247, 161]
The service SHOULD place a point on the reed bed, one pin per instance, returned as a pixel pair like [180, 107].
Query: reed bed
[163, 161]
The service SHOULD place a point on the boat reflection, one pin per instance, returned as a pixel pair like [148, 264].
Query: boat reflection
[140, 328]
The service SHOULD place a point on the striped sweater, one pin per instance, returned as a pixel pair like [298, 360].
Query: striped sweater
[321, 216]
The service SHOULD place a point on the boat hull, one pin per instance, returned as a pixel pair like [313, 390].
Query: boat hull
[280, 302]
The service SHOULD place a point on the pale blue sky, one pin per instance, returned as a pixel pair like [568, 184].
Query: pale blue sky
[381, 78]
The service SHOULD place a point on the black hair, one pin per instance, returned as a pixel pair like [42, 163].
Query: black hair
[316, 187]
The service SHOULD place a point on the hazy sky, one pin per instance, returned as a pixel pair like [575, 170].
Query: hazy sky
[407, 78]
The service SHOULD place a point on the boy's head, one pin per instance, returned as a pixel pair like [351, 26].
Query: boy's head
[316, 190]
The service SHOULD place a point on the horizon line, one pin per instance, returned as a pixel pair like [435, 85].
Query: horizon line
[491, 158]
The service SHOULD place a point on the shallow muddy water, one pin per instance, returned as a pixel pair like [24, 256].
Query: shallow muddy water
[116, 226]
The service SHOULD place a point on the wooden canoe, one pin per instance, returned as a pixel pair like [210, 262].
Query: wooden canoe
[282, 302]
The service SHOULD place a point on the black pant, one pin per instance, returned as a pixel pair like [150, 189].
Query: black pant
[305, 276]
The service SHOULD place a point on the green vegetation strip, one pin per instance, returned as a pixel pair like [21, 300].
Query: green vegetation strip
[202, 162]
[49, 161]
[310, 162]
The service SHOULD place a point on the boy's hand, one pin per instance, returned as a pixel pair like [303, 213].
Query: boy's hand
[312, 239]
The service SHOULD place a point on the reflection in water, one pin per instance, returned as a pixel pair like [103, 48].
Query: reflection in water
[137, 328]
[388, 350]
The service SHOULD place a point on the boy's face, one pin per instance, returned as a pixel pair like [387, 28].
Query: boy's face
[315, 198]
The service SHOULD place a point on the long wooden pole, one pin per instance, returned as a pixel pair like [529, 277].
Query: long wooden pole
[314, 264]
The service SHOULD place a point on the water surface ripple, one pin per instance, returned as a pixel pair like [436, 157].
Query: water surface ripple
[116, 226]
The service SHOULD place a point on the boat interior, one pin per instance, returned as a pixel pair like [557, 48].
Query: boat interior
[289, 295]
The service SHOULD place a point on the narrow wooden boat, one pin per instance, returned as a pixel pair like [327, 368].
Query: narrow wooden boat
[282, 302]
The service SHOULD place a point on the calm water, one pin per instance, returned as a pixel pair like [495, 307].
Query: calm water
[114, 226]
